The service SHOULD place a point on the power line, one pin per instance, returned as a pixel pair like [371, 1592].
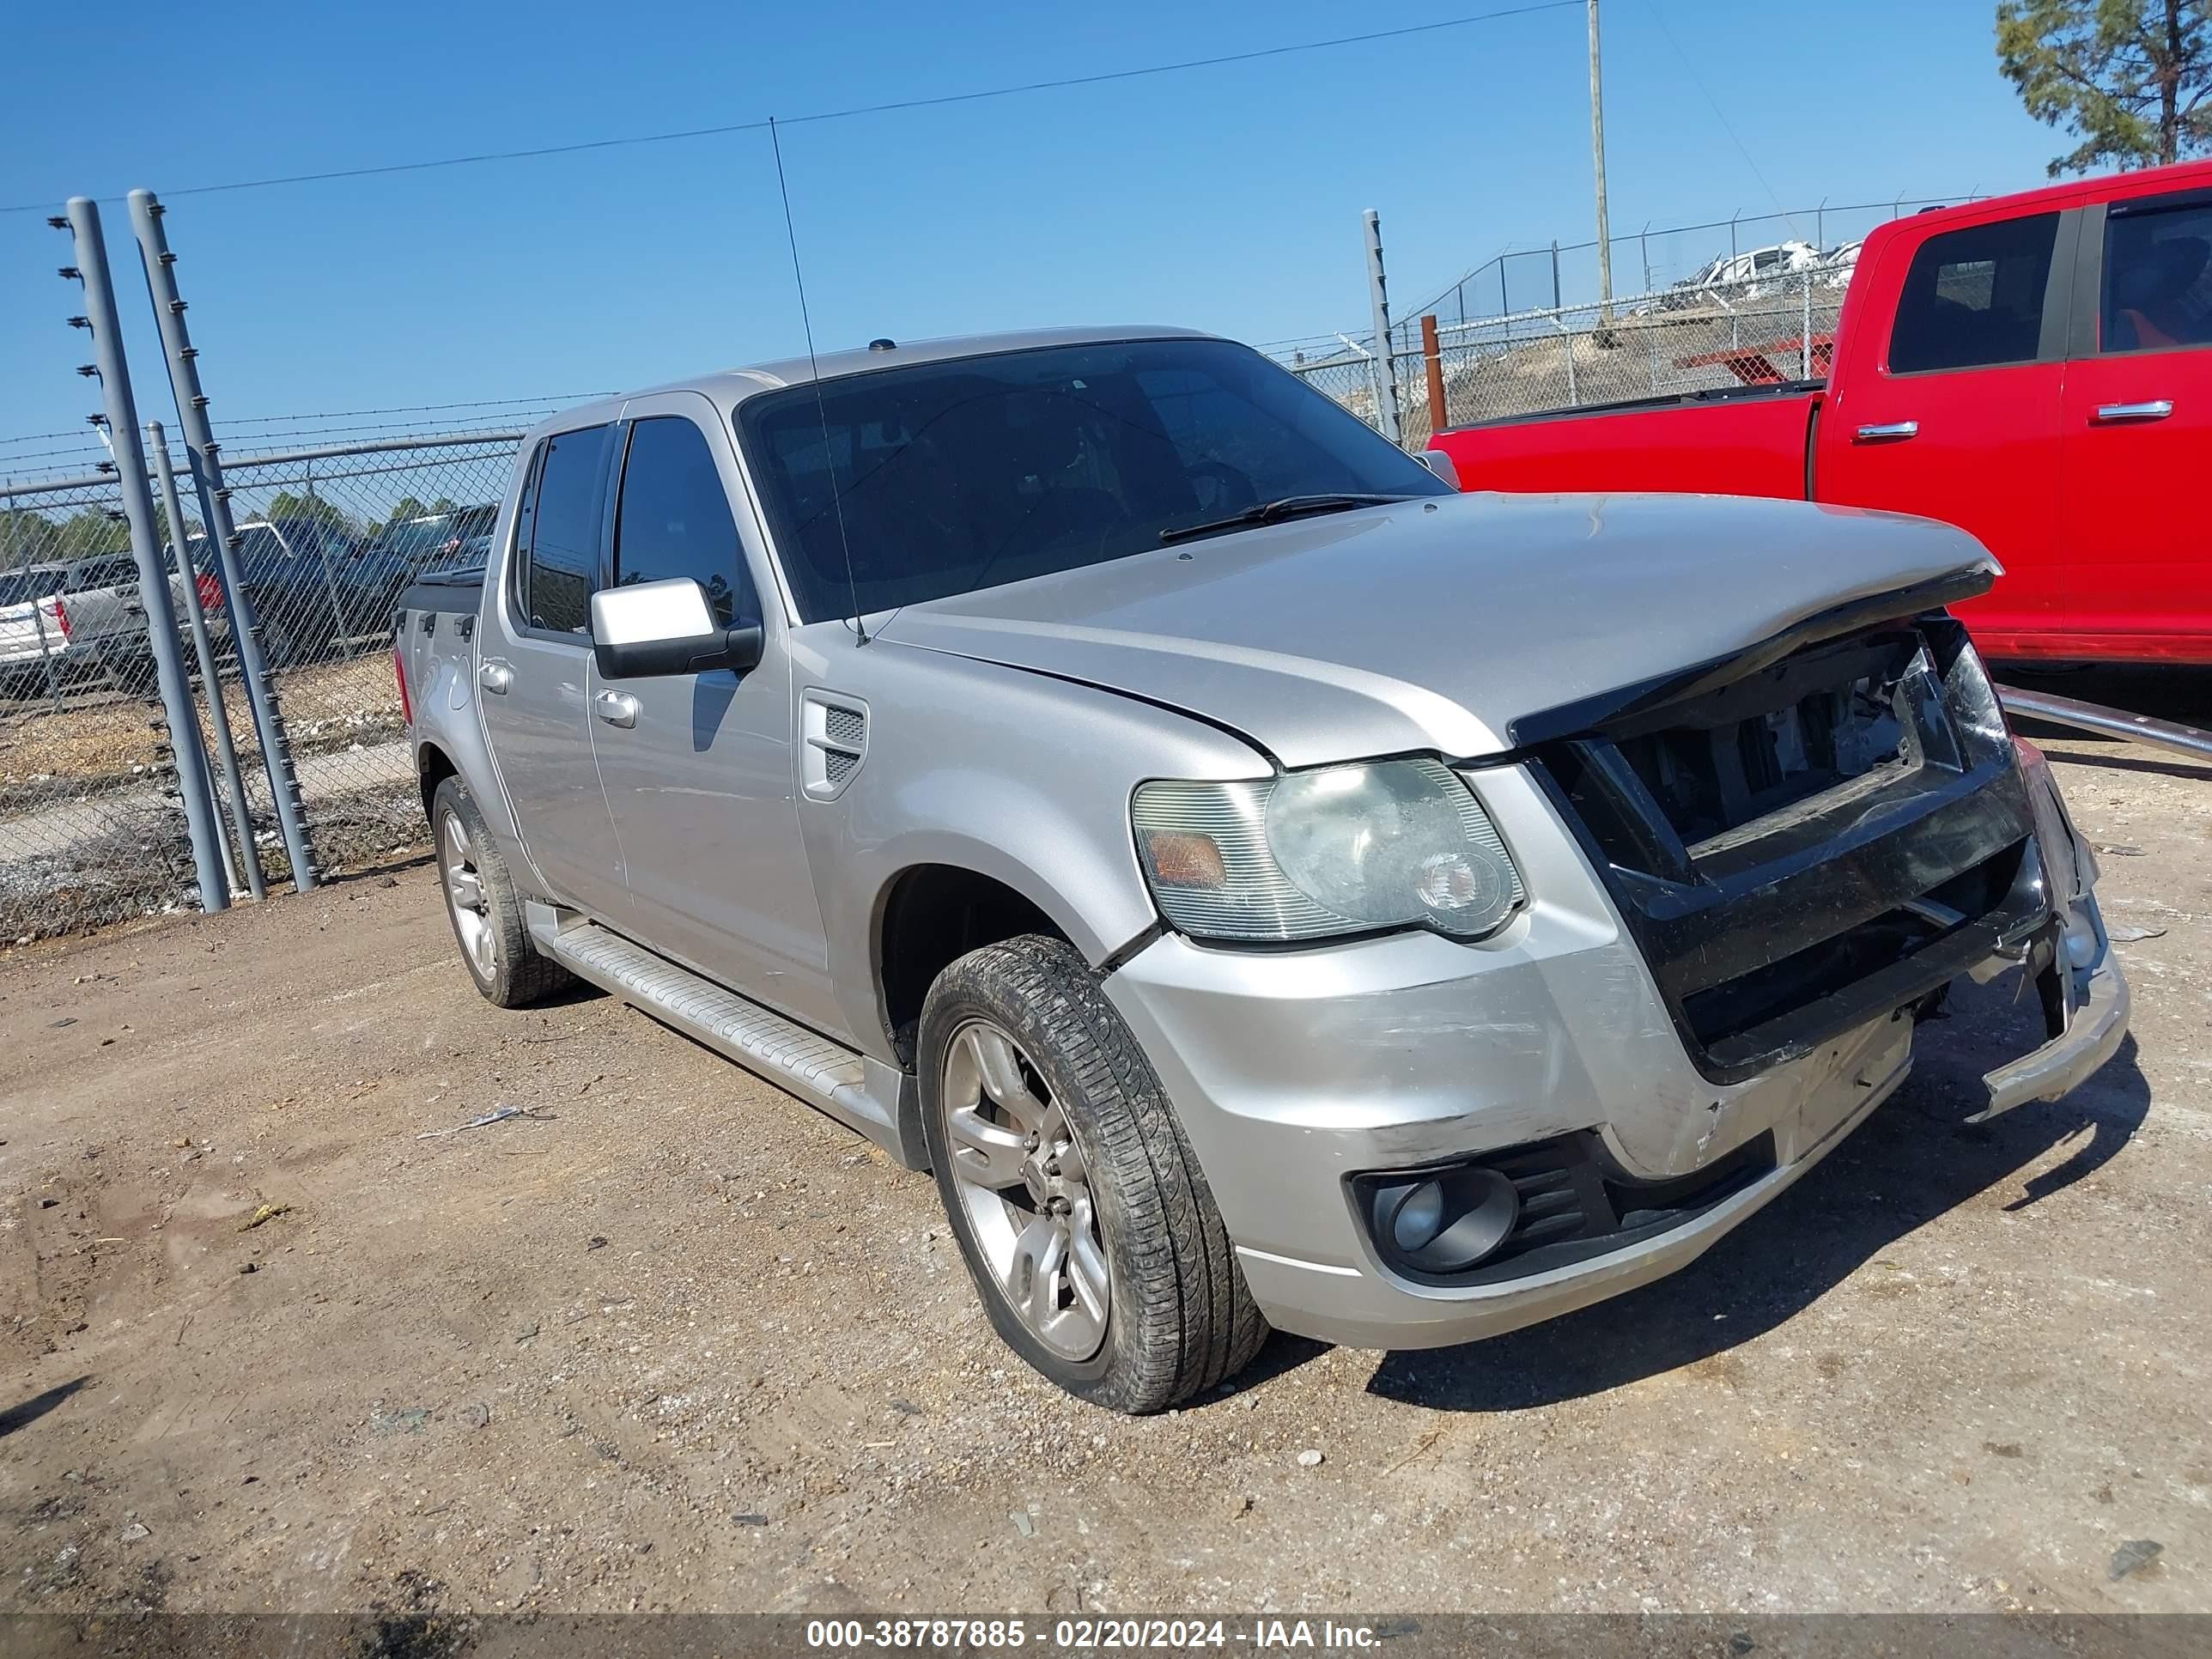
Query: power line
[933, 102]
[1690, 70]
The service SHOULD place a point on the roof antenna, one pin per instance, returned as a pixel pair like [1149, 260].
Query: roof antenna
[821, 410]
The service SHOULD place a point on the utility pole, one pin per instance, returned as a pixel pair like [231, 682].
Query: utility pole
[1597, 158]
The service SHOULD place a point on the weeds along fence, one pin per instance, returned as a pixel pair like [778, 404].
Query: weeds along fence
[1661, 344]
[91, 827]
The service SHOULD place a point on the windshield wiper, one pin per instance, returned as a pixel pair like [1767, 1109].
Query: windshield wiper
[1274, 512]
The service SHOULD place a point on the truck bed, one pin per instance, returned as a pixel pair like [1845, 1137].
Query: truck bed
[1748, 440]
[448, 591]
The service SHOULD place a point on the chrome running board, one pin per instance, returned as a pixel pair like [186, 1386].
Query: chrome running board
[861, 1093]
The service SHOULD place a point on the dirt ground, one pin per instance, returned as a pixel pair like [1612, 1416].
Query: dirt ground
[672, 1341]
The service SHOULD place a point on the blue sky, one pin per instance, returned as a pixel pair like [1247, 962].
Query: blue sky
[1226, 198]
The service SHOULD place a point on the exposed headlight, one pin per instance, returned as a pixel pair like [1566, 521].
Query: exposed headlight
[1344, 849]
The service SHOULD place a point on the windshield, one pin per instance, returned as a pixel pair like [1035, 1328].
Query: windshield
[956, 476]
[418, 535]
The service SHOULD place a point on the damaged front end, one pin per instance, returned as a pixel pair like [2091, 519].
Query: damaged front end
[1830, 829]
[2068, 961]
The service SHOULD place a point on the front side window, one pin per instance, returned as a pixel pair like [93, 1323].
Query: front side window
[2158, 278]
[1973, 298]
[946, 477]
[674, 519]
[558, 563]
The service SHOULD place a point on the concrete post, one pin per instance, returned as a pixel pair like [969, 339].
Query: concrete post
[122, 410]
[241, 817]
[1385, 364]
[202, 454]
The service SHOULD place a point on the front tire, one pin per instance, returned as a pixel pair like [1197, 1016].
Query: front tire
[1078, 1205]
[481, 903]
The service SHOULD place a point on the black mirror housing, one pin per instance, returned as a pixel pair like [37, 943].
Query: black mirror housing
[736, 648]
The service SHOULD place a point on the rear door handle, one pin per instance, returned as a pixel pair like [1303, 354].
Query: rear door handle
[1889, 432]
[496, 677]
[616, 708]
[2115, 414]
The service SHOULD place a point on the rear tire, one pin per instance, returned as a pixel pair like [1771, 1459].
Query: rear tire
[1061, 1165]
[481, 904]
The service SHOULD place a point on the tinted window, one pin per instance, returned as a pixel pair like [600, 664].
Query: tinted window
[558, 563]
[949, 477]
[675, 519]
[103, 572]
[1974, 297]
[2158, 279]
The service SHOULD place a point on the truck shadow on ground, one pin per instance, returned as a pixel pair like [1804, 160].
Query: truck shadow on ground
[1915, 1159]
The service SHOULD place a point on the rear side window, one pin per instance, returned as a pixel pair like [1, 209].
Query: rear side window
[2158, 278]
[1974, 298]
[103, 572]
[557, 551]
[674, 519]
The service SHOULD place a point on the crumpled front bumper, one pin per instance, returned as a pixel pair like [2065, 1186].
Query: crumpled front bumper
[2084, 995]
[2096, 1025]
[1293, 1072]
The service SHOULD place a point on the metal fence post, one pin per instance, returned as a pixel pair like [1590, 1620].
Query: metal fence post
[1386, 367]
[1805, 332]
[248, 859]
[190, 758]
[202, 454]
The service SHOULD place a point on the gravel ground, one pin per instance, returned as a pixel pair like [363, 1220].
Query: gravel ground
[672, 1341]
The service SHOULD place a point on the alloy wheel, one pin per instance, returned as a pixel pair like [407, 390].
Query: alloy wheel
[1026, 1189]
[466, 897]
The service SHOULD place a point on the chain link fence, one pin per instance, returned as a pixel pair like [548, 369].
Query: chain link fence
[1766, 332]
[92, 829]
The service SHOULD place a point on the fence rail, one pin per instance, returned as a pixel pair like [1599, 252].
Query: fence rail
[1644, 346]
[91, 826]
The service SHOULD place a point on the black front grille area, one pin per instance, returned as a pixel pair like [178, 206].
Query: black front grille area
[1576, 1202]
[1806, 842]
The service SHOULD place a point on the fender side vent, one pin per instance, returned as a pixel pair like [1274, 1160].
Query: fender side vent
[834, 741]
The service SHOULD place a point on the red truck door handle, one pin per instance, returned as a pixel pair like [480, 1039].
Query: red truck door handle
[2115, 414]
[1889, 432]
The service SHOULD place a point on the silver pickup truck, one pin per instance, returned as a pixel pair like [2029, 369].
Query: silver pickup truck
[1266, 887]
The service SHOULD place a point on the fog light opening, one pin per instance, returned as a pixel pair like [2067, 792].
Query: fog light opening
[1448, 1222]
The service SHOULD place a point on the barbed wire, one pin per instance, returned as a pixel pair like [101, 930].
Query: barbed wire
[931, 101]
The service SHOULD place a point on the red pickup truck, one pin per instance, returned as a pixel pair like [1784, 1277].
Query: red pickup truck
[2036, 370]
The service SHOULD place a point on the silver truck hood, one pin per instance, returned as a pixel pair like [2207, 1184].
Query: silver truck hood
[1430, 626]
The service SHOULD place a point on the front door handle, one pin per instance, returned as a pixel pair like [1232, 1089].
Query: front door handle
[616, 708]
[2116, 414]
[494, 675]
[1889, 432]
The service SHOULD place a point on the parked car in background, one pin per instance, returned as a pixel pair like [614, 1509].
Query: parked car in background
[2036, 369]
[89, 621]
[312, 595]
[1264, 886]
[414, 547]
[36, 652]
[1743, 276]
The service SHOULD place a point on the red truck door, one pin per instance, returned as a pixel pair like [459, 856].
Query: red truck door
[2138, 424]
[1948, 404]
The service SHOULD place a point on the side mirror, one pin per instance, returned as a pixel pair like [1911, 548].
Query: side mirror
[665, 627]
[1442, 465]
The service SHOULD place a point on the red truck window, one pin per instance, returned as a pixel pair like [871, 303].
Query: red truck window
[1974, 297]
[2158, 279]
